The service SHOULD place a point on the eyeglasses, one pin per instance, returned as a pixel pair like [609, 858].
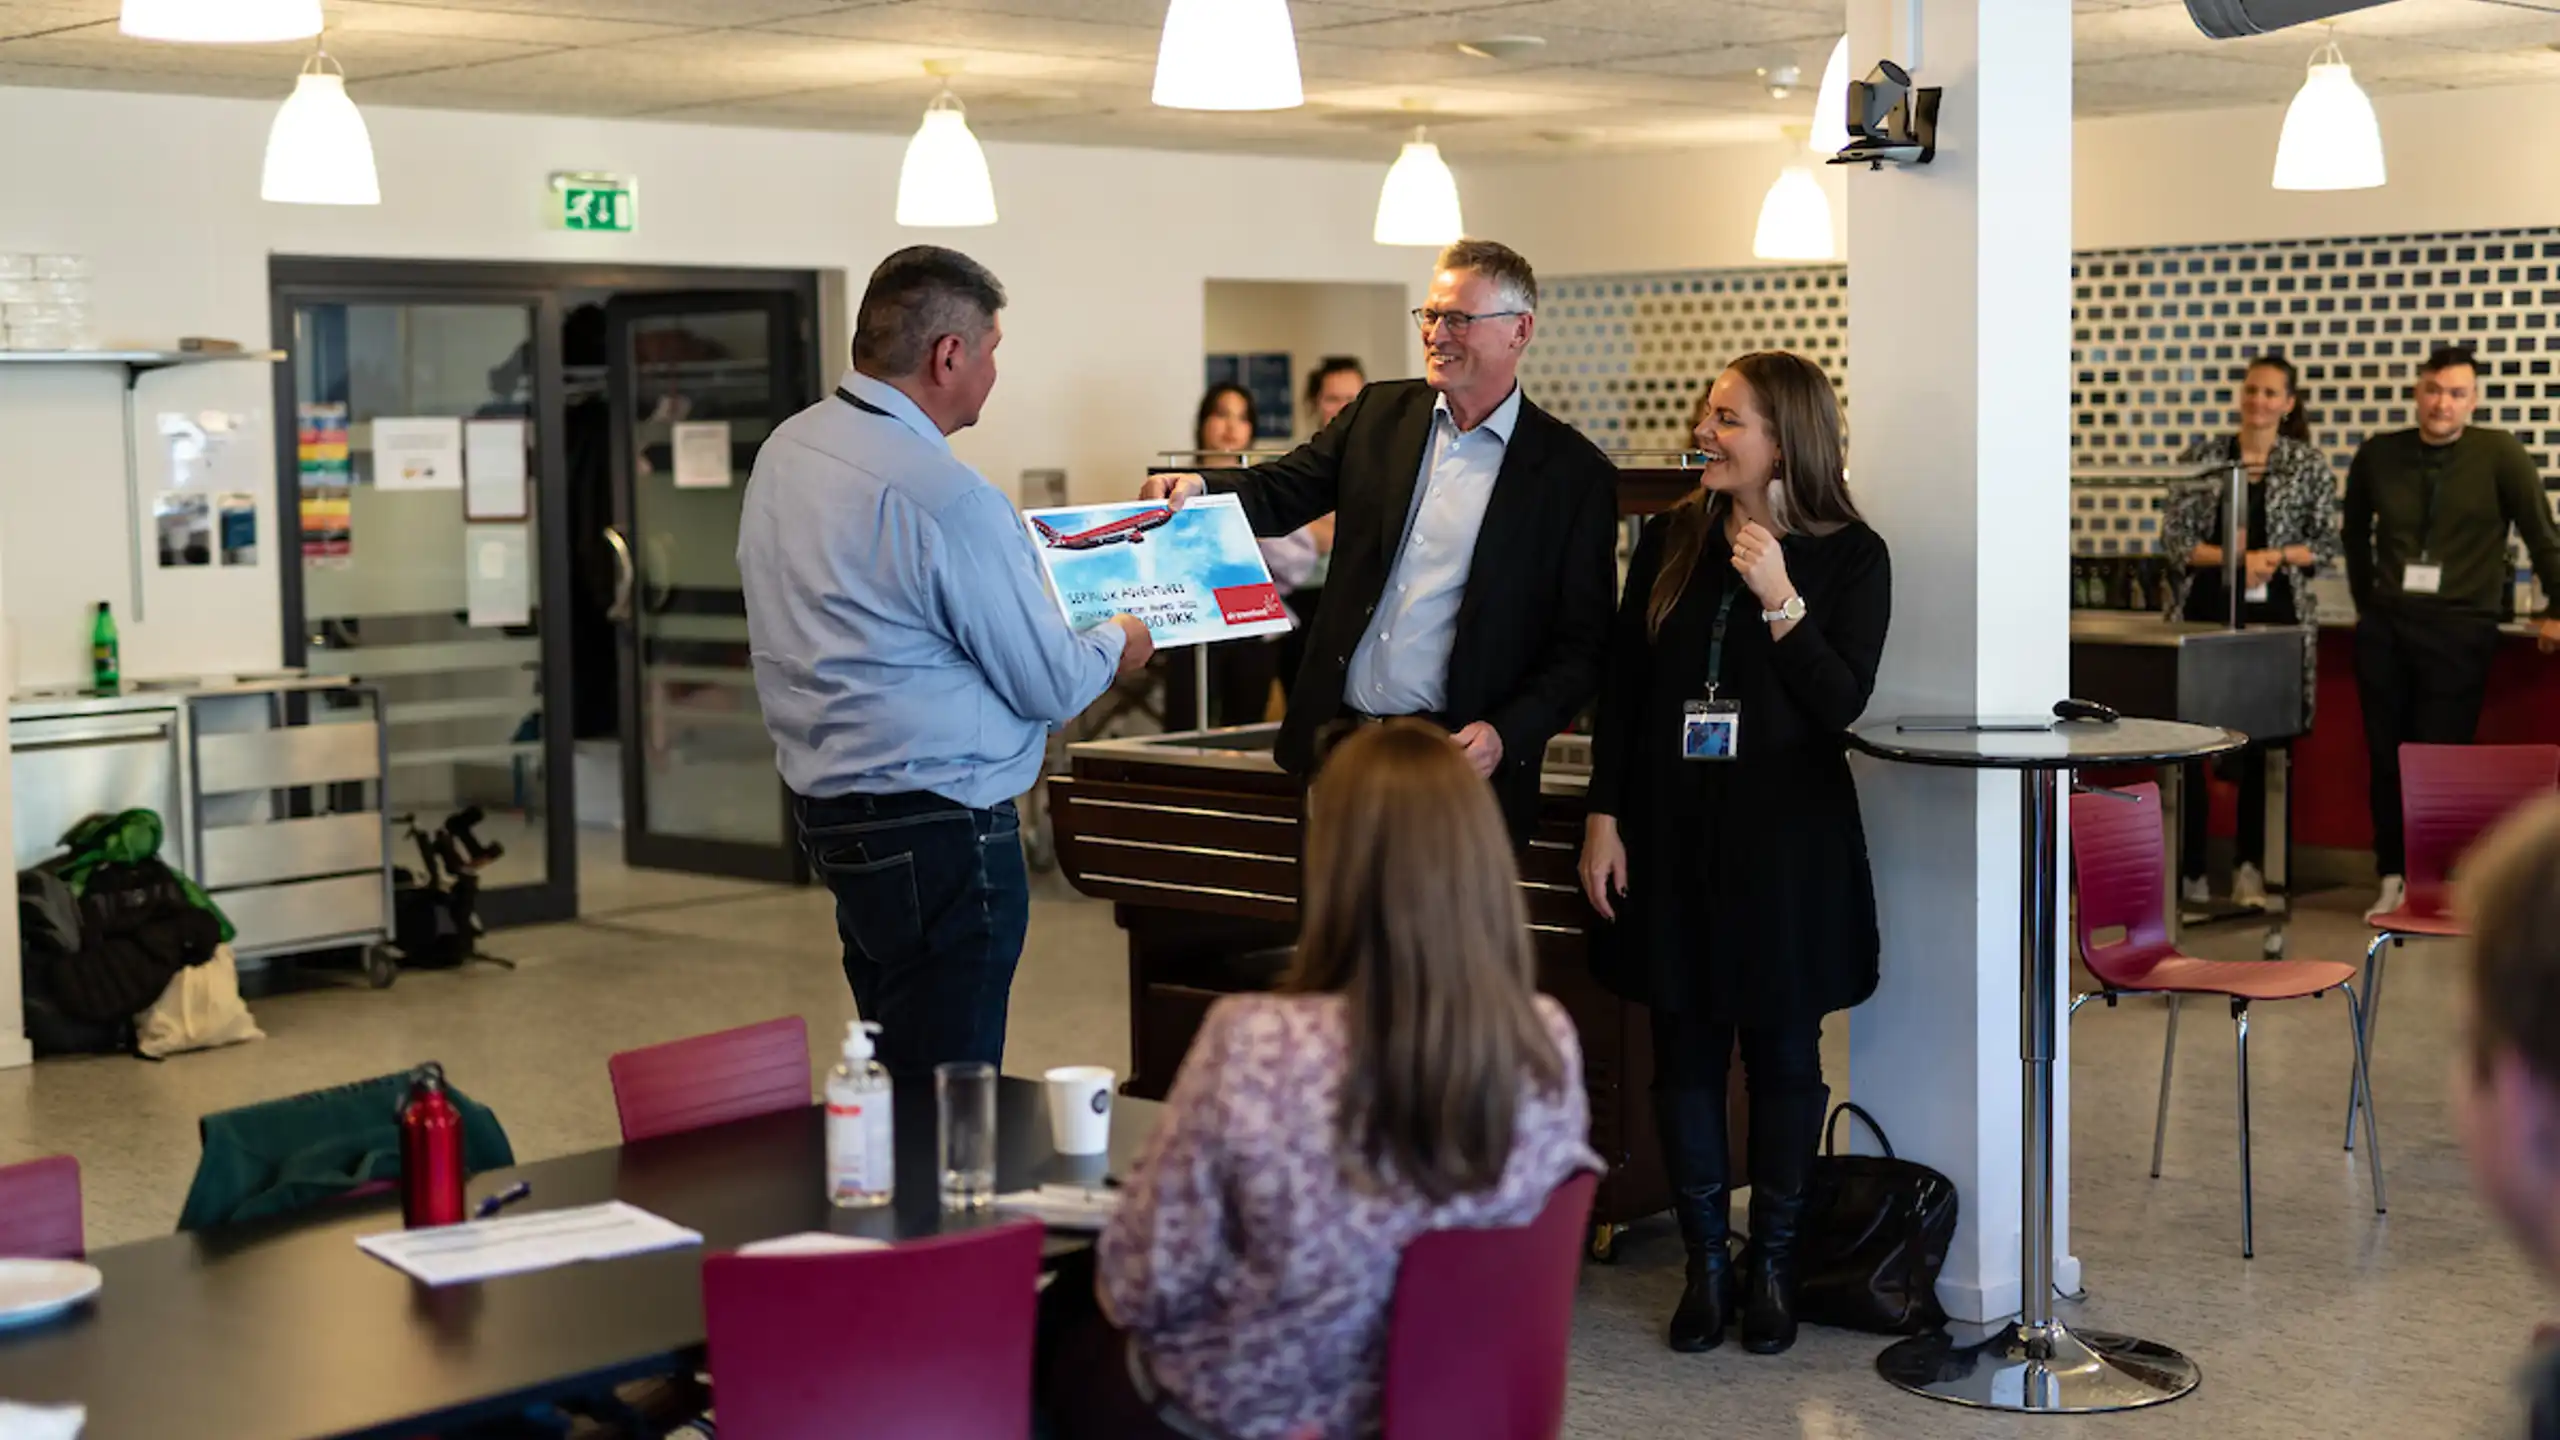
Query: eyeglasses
[1459, 322]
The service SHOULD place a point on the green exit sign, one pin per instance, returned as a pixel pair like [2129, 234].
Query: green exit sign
[585, 201]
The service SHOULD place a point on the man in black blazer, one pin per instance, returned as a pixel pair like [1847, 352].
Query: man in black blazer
[1475, 550]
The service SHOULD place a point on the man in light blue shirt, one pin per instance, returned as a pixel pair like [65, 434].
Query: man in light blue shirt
[910, 662]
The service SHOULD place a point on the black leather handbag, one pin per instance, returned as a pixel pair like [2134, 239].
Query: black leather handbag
[1876, 1231]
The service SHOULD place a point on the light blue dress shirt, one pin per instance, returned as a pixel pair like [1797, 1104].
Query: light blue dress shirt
[1402, 664]
[901, 631]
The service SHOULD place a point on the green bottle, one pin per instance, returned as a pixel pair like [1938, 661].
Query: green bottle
[106, 672]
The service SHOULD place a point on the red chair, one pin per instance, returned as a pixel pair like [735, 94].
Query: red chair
[711, 1079]
[1477, 1336]
[40, 1210]
[2450, 795]
[927, 1338]
[2117, 862]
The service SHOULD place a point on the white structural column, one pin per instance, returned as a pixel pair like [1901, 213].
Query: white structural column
[1960, 316]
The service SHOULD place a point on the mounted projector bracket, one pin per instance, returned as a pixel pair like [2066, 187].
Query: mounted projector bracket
[1889, 121]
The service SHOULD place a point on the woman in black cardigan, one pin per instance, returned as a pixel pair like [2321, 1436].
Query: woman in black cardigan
[1737, 886]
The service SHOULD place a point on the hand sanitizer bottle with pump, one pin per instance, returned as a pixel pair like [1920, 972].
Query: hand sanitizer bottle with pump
[861, 1146]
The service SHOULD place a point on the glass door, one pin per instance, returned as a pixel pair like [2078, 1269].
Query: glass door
[697, 383]
[415, 557]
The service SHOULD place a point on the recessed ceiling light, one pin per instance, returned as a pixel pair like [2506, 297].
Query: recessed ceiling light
[1502, 47]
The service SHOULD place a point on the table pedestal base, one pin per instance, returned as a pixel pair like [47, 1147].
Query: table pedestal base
[2048, 1369]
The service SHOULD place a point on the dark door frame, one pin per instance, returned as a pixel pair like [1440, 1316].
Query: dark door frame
[295, 280]
[641, 845]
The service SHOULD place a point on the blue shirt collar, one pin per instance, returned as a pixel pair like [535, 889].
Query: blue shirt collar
[885, 396]
[1504, 417]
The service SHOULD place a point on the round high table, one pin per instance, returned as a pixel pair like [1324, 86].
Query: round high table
[2037, 1364]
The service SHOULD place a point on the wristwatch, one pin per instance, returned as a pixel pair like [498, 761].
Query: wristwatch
[1793, 610]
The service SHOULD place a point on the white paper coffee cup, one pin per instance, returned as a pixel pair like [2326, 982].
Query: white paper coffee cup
[1079, 1109]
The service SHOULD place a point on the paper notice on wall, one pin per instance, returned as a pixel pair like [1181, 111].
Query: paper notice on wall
[497, 575]
[417, 453]
[204, 449]
[703, 455]
[183, 521]
[493, 456]
[235, 518]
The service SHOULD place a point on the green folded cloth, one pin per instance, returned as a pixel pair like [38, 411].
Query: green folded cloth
[280, 1156]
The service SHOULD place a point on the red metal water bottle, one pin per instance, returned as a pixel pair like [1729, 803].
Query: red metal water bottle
[430, 1152]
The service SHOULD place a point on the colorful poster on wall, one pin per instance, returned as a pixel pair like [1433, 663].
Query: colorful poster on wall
[1193, 574]
[327, 512]
[236, 525]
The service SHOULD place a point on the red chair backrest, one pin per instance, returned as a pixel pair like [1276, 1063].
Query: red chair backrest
[2117, 865]
[2450, 795]
[927, 1338]
[708, 1079]
[1477, 1337]
[40, 1210]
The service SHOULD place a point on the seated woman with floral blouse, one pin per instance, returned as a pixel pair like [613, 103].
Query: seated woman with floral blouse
[1408, 1077]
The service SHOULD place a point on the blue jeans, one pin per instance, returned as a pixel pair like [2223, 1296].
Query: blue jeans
[932, 899]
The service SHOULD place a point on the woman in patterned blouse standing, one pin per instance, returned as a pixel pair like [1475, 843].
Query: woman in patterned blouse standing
[1407, 1077]
[2292, 531]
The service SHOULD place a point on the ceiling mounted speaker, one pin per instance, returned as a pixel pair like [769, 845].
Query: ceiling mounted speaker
[2230, 19]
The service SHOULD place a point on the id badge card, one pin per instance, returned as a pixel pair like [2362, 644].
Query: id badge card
[1710, 730]
[2421, 578]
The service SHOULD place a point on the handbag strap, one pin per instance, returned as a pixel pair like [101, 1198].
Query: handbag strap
[1831, 1130]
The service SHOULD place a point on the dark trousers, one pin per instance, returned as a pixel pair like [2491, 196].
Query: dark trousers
[932, 899]
[1782, 1068]
[2196, 813]
[2420, 676]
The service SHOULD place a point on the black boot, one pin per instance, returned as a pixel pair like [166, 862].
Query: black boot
[1693, 1153]
[1785, 1129]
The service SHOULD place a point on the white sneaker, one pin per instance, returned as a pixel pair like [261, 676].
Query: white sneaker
[2196, 891]
[2395, 893]
[2248, 887]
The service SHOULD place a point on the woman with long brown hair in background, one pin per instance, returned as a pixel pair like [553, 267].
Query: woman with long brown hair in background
[1407, 1077]
[1723, 841]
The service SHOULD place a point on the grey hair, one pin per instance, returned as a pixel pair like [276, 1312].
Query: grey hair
[916, 297]
[1507, 268]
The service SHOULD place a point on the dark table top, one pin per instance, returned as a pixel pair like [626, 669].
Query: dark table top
[286, 1331]
[2069, 745]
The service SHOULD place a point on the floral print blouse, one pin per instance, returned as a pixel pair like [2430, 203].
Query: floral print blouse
[1252, 1275]
[2302, 509]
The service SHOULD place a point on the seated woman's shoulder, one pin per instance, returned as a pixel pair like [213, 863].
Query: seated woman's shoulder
[1264, 1020]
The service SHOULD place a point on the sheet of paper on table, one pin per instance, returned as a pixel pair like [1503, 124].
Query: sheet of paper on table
[1063, 1207]
[518, 1244]
[1193, 574]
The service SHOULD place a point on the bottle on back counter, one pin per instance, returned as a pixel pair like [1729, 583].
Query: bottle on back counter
[106, 668]
[861, 1143]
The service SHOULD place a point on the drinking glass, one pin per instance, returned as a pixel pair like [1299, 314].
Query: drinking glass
[965, 1140]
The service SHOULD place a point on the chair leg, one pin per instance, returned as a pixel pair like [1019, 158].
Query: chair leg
[2374, 954]
[2357, 1019]
[2248, 1207]
[2168, 1057]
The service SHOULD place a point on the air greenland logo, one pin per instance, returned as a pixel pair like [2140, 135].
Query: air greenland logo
[1244, 604]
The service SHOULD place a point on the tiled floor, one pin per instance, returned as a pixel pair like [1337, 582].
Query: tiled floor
[2345, 1324]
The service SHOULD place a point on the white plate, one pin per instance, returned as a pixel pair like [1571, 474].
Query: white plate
[35, 1290]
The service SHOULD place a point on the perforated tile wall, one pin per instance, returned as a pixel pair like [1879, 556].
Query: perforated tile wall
[2159, 340]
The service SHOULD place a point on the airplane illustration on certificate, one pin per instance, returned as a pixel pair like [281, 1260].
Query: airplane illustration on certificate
[1131, 530]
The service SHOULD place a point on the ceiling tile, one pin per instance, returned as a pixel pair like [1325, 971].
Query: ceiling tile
[363, 55]
[695, 13]
[406, 17]
[2215, 76]
[1687, 23]
[74, 77]
[32, 17]
[946, 26]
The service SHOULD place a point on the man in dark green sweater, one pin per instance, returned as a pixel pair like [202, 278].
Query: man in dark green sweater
[2426, 523]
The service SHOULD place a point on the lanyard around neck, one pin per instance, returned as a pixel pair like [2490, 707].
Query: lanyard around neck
[1715, 638]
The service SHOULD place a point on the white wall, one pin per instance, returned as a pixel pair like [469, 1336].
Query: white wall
[2458, 160]
[1311, 322]
[1105, 253]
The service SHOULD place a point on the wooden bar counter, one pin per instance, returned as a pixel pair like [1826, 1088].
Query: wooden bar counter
[1194, 838]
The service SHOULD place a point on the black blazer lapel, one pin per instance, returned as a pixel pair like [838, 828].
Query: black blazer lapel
[1510, 512]
[1406, 444]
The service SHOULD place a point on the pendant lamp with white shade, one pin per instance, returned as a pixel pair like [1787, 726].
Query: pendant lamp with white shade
[944, 182]
[1795, 219]
[1228, 55]
[318, 151]
[221, 22]
[1831, 104]
[1419, 203]
[2331, 139]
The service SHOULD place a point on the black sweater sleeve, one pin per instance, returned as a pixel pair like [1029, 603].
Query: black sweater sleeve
[1828, 661]
[1281, 496]
[1623, 682]
[1561, 682]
